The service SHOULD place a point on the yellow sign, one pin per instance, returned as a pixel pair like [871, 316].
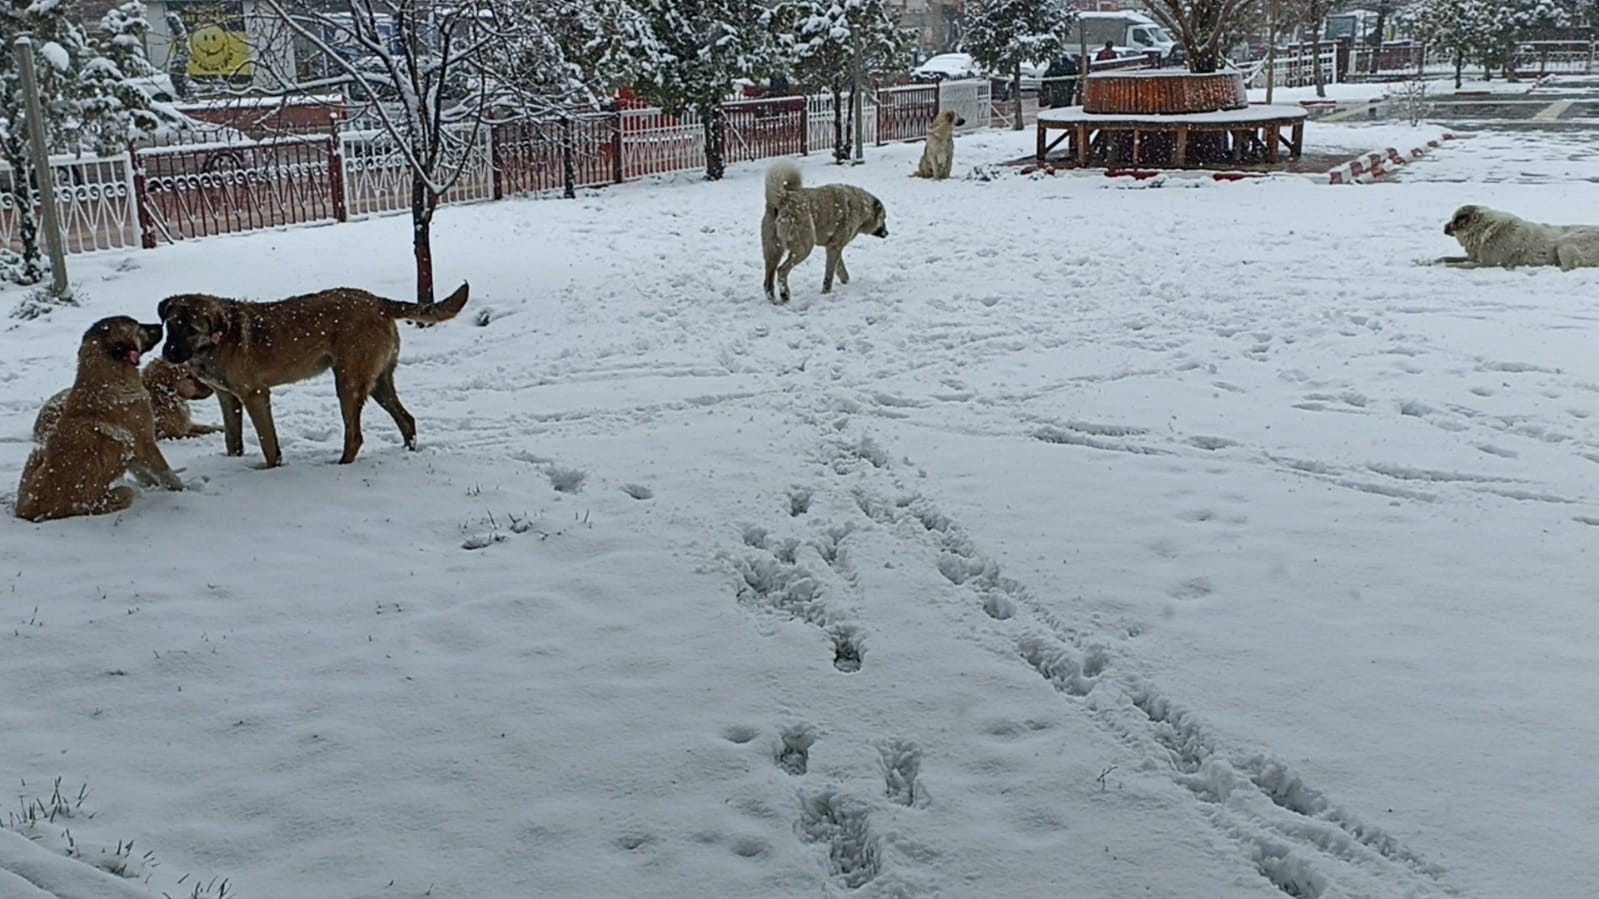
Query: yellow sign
[215, 52]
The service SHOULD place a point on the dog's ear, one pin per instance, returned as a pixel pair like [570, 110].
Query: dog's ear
[164, 308]
[219, 318]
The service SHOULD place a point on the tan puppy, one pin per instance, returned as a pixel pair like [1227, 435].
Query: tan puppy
[105, 428]
[243, 350]
[170, 388]
[938, 154]
[799, 218]
[1491, 237]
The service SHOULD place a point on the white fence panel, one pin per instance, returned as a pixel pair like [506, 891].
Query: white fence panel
[654, 143]
[377, 177]
[94, 195]
[1298, 70]
[971, 99]
[819, 135]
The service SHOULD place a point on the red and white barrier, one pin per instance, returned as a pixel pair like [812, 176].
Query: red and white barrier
[1374, 166]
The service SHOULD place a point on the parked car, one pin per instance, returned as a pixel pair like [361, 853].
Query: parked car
[946, 66]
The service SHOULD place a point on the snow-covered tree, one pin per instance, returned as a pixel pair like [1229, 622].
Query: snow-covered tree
[178, 58]
[825, 41]
[1509, 22]
[1203, 27]
[1447, 25]
[1484, 31]
[601, 38]
[699, 48]
[436, 75]
[1004, 35]
[88, 101]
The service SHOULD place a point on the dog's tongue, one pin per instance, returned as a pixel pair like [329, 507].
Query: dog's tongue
[133, 356]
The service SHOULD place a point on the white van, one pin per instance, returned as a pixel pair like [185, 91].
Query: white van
[1131, 30]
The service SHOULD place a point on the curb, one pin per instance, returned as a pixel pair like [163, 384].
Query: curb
[1372, 166]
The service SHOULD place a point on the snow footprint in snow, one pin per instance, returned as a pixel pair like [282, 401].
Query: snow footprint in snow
[793, 753]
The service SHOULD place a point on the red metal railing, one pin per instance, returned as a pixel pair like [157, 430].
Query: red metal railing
[198, 191]
[903, 113]
[761, 129]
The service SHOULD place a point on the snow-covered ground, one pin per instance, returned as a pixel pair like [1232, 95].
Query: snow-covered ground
[1098, 539]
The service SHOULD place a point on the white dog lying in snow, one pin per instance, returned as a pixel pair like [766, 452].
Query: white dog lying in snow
[1491, 237]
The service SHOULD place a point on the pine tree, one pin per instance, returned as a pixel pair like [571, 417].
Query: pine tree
[821, 40]
[1484, 31]
[699, 48]
[1002, 35]
[1509, 22]
[1445, 24]
[88, 103]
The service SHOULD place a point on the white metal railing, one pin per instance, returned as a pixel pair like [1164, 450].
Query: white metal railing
[377, 178]
[95, 197]
[655, 143]
[819, 135]
[1299, 69]
[971, 99]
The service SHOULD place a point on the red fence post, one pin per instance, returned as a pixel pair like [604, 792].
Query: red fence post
[881, 110]
[141, 198]
[805, 126]
[336, 171]
[496, 165]
[616, 146]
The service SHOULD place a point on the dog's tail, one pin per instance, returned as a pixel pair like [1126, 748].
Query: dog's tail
[429, 313]
[783, 177]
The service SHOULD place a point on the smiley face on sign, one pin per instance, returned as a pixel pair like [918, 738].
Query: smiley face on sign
[217, 52]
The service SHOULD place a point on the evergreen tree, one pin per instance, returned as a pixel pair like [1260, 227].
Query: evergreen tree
[87, 100]
[825, 40]
[699, 48]
[1446, 24]
[1002, 35]
[1509, 22]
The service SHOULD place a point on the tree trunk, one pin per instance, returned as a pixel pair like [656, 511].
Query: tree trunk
[1016, 94]
[423, 203]
[711, 119]
[1315, 61]
[840, 133]
[568, 163]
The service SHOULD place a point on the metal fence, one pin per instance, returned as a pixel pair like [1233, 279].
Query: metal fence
[1298, 69]
[154, 195]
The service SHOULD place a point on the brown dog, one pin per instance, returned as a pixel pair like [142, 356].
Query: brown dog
[170, 388]
[105, 428]
[243, 350]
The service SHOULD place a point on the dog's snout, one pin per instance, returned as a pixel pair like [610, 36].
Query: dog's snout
[174, 352]
[959, 122]
[1449, 228]
[149, 336]
[881, 232]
